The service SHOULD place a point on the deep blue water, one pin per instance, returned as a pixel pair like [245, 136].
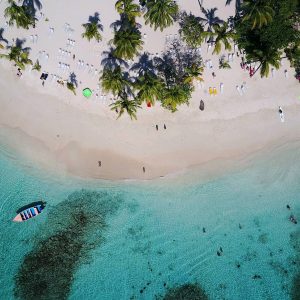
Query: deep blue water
[150, 236]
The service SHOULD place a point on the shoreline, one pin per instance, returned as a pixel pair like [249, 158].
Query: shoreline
[61, 131]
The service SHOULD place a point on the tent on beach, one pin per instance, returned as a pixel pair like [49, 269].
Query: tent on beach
[87, 92]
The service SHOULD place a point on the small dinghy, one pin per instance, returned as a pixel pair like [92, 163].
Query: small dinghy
[29, 212]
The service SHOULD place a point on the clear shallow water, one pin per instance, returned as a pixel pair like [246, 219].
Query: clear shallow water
[154, 239]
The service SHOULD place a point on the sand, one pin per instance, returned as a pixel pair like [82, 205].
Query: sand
[61, 131]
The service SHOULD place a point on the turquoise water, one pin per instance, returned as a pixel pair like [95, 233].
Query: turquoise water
[144, 238]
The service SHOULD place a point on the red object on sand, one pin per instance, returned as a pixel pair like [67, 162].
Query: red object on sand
[148, 104]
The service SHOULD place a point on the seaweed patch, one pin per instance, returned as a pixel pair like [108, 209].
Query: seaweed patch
[73, 228]
[186, 292]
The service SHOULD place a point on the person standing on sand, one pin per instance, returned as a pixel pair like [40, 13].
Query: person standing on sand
[144, 169]
[156, 126]
[99, 163]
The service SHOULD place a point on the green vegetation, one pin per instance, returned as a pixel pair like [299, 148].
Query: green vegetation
[257, 12]
[149, 88]
[19, 14]
[265, 38]
[125, 104]
[160, 13]
[223, 35]
[127, 39]
[223, 64]
[128, 8]
[37, 66]
[191, 30]
[92, 30]
[19, 56]
[114, 80]
[71, 86]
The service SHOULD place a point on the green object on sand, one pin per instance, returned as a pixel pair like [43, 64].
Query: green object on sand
[87, 92]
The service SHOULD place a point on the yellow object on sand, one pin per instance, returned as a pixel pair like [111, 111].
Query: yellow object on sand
[210, 90]
[215, 91]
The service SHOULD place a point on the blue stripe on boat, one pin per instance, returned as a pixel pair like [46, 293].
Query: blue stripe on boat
[39, 208]
[32, 211]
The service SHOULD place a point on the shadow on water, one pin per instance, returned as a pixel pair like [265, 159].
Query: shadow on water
[32, 204]
[74, 227]
[185, 292]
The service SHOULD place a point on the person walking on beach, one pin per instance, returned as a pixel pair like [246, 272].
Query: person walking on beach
[165, 127]
[144, 169]
[99, 163]
[156, 126]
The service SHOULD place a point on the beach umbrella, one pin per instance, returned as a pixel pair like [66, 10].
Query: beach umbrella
[87, 92]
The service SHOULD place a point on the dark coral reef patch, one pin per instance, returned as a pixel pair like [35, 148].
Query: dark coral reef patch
[73, 228]
[186, 292]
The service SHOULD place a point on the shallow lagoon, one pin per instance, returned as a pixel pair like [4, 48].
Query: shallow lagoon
[154, 236]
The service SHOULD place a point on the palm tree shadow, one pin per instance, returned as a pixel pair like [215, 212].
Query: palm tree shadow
[96, 19]
[210, 17]
[19, 43]
[2, 39]
[111, 61]
[73, 79]
[33, 6]
[144, 65]
[238, 4]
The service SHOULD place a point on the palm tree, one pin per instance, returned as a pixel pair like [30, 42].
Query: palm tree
[160, 13]
[128, 8]
[111, 61]
[193, 72]
[210, 18]
[115, 81]
[191, 30]
[266, 57]
[149, 88]
[92, 30]
[125, 104]
[37, 66]
[127, 40]
[223, 64]
[19, 15]
[19, 56]
[223, 36]
[71, 87]
[258, 12]
[174, 96]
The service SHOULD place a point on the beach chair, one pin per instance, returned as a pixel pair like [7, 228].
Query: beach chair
[211, 91]
[215, 91]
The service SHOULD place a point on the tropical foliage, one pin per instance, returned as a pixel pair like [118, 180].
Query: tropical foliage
[92, 29]
[125, 104]
[71, 87]
[128, 8]
[223, 64]
[222, 35]
[115, 81]
[160, 13]
[19, 14]
[258, 12]
[37, 66]
[127, 40]
[265, 41]
[191, 30]
[149, 88]
[19, 56]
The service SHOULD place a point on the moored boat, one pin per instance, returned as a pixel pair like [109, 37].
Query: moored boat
[29, 212]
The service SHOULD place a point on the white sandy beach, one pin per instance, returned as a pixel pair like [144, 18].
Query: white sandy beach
[59, 130]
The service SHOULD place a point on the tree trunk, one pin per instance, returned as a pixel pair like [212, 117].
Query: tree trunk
[200, 4]
[257, 69]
